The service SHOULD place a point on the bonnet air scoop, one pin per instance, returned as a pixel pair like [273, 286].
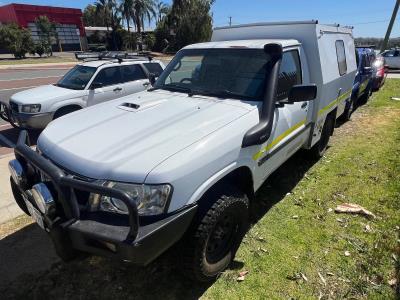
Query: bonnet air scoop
[129, 106]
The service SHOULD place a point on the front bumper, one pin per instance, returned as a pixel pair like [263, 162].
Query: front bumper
[31, 121]
[134, 239]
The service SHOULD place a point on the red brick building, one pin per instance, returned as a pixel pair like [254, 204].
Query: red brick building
[70, 28]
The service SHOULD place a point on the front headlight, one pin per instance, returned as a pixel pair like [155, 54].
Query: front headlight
[150, 199]
[31, 108]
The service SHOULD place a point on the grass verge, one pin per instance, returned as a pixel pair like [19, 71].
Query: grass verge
[298, 247]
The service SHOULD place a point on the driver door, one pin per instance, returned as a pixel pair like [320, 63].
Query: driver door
[112, 87]
[289, 120]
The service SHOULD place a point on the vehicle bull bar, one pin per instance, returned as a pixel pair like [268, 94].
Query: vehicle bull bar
[6, 115]
[65, 183]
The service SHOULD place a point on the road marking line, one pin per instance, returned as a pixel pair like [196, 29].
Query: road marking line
[7, 141]
[30, 78]
[19, 88]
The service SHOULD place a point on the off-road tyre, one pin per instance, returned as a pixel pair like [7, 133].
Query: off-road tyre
[348, 111]
[204, 260]
[318, 150]
[365, 97]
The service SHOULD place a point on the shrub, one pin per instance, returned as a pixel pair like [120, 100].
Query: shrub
[16, 40]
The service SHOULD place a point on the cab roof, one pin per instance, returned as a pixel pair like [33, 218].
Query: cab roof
[252, 44]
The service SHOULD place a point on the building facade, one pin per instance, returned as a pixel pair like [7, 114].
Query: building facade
[70, 29]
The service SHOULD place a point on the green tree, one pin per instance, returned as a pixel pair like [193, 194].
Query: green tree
[127, 11]
[110, 11]
[47, 33]
[16, 40]
[92, 17]
[143, 10]
[162, 10]
[188, 22]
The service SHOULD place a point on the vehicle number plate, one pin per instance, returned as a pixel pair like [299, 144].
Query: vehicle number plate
[35, 214]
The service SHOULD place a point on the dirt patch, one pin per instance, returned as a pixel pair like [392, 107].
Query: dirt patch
[365, 120]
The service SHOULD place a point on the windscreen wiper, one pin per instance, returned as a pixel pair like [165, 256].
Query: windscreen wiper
[176, 88]
[222, 94]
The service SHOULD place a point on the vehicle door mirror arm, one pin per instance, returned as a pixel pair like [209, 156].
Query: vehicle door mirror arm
[261, 132]
[96, 85]
[152, 78]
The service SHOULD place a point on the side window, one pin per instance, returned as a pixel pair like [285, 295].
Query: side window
[154, 68]
[341, 57]
[132, 73]
[396, 53]
[109, 76]
[289, 73]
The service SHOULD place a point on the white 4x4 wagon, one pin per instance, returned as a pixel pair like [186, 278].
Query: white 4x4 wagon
[84, 85]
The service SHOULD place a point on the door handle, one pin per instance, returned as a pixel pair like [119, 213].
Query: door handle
[118, 89]
[304, 105]
[146, 84]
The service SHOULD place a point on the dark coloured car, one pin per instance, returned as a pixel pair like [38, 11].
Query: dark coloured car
[362, 86]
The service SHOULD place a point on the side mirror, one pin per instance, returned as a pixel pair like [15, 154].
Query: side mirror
[301, 93]
[152, 78]
[96, 85]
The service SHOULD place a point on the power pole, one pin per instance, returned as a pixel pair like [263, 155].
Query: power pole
[389, 30]
[230, 21]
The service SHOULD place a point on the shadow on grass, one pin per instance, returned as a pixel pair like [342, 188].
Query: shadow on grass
[281, 182]
[96, 277]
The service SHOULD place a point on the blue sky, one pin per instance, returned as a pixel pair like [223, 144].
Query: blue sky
[369, 17]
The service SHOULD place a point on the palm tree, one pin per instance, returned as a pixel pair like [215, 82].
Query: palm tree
[162, 11]
[103, 11]
[109, 10]
[127, 11]
[142, 10]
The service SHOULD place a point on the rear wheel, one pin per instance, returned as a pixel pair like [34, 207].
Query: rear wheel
[318, 150]
[364, 98]
[348, 110]
[212, 245]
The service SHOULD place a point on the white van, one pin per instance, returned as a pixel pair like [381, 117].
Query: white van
[130, 177]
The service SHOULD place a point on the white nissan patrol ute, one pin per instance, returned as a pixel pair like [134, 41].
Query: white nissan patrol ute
[182, 161]
[86, 84]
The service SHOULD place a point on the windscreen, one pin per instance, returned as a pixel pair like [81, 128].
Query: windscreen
[234, 73]
[77, 78]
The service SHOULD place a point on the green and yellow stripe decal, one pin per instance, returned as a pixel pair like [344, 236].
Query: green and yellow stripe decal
[278, 139]
[334, 102]
[298, 125]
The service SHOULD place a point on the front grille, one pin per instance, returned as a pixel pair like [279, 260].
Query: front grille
[14, 106]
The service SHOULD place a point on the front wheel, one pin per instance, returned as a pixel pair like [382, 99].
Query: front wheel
[213, 244]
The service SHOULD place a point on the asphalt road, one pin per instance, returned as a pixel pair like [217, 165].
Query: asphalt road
[14, 81]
